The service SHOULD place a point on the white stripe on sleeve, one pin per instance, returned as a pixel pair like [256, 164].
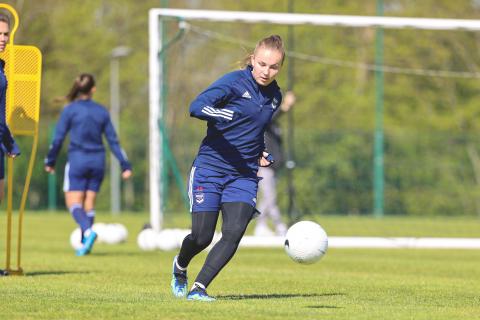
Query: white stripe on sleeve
[222, 113]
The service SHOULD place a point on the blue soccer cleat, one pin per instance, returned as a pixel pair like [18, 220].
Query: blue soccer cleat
[199, 294]
[87, 244]
[179, 282]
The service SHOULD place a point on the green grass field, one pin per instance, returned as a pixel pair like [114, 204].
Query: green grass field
[122, 282]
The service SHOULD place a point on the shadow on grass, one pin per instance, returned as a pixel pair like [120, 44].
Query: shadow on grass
[53, 273]
[118, 253]
[279, 296]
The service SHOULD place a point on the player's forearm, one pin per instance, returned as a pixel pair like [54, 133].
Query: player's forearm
[53, 151]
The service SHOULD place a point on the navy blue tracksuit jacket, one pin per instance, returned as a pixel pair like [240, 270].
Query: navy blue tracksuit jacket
[237, 110]
[5, 136]
[86, 121]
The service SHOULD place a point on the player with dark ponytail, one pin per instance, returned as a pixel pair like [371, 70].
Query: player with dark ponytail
[86, 121]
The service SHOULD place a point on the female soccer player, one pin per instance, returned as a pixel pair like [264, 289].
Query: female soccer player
[86, 121]
[237, 108]
[8, 145]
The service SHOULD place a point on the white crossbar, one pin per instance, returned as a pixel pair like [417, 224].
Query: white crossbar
[319, 19]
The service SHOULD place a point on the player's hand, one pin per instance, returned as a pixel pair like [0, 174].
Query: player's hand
[126, 174]
[266, 160]
[14, 152]
[288, 101]
[49, 169]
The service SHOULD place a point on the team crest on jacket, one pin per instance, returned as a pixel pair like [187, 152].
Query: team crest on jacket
[199, 197]
[274, 103]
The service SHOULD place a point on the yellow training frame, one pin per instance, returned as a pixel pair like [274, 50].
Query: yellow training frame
[23, 69]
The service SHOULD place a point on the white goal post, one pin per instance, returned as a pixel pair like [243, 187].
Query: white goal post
[156, 162]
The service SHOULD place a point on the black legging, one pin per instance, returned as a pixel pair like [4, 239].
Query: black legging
[236, 216]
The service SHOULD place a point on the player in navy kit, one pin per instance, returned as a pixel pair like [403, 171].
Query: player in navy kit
[87, 121]
[237, 108]
[8, 145]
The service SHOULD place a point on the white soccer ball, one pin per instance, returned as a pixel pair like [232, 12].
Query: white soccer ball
[168, 240]
[147, 239]
[306, 242]
[112, 234]
[76, 239]
[100, 228]
[122, 230]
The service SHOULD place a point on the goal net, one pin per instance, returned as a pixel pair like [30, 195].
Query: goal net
[429, 121]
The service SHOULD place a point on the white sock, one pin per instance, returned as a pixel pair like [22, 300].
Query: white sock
[198, 284]
[178, 266]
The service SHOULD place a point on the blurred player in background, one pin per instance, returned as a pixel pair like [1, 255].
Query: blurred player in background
[87, 121]
[237, 108]
[8, 145]
[267, 203]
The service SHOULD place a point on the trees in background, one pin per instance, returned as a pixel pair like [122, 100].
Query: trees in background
[431, 121]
